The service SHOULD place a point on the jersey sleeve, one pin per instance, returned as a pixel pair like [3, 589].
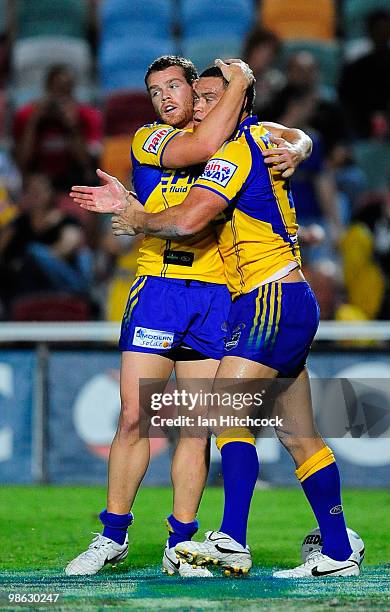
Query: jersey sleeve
[150, 141]
[226, 172]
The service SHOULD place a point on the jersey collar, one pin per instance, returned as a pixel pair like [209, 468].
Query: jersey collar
[248, 121]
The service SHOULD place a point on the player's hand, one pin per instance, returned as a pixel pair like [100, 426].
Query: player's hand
[284, 158]
[235, 68]
[110, 197]
[124, 223]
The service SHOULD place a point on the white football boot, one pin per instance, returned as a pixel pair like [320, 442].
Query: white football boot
[318, 565]
[100, 552]
[219, 549]
[171, 565]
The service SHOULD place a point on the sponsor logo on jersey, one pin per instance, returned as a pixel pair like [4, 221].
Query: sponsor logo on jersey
[155, 140]
[336, 510]
[152, 338]
[219, 171]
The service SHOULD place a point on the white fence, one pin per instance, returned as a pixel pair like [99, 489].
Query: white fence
[101, 331]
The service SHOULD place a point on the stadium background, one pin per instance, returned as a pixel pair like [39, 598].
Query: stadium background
[59, 383]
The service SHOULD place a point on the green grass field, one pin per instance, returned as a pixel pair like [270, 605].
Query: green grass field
[44, 527]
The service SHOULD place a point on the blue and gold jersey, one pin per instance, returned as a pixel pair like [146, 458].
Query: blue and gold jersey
[258, 241]
[159, 188]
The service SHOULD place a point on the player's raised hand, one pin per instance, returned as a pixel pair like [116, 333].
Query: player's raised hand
[110, 197]
[124, 222]
[235, 68]
[284, 157]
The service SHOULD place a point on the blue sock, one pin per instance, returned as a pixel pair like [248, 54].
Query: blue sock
[240, 468]
[115, 525]
[323, 490]
[180, 532]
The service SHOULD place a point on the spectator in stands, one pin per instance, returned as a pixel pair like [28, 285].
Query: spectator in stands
[313, 186]
[303, 72]
[365, 83]
[121, 254]
[57, 135]
[351, 179]
[366, 257]
[325, 278]
[261, 50]
[42, 250]
[10, 178]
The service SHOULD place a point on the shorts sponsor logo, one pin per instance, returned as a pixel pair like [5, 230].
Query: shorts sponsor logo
[336, 510]
[235, 337]
[152, 338]
[219, 171]
[232, 343]
[155, 140]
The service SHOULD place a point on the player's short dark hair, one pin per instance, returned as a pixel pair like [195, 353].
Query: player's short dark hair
[168, 61]
[214, 71]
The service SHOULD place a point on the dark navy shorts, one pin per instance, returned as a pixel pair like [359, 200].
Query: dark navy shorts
[274, 325]
[163, 314]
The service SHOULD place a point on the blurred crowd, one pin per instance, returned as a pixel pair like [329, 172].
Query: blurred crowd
[68, 106]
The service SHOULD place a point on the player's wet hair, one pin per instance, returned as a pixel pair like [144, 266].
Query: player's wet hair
[250, 95]
[168, 61]
[214, 71]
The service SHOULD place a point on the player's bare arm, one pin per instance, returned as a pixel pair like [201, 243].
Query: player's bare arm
[293, 146]
[187, 219]
[190, 148]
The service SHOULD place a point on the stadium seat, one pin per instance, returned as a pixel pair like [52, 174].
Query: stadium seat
[355, 13]
[152, 17]
[116, 157]
[2, 18]
[51, 18]
[126, 112]
[373, 156]
[303, 19]
[327, 54]
[32, 57]
[123, 62]
[50, 307]
[204, 50]
[232, 17]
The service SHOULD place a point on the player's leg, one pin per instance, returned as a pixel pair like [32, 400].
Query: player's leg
[208, 305]
[146, 337]
[129, 454]
[191, 459]
[190, 462]
[248, 318]
[128, 461]
[240, 465]
[190, 465]
[316, 467]
[240, 468]
[319, 477]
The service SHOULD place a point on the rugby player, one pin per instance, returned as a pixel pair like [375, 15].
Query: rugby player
[271, 325]
[175, 312]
